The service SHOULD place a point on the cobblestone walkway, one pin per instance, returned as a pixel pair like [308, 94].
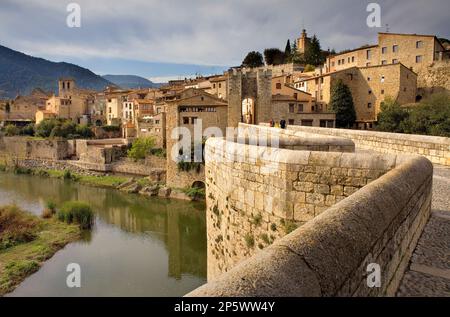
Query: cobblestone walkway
[429, 270]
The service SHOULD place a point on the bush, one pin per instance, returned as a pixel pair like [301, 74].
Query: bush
[249, 240]
[141, 148]
[16, 226]
[28, 130]
[342, 104]
[76, 212]
[45, 127]
[11, 130]
[391, 117]
[84, 132]
[111, 128]
[195, 193]
[310, 68]
[49, 210]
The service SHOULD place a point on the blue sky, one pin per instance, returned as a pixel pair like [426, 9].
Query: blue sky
[178, 38]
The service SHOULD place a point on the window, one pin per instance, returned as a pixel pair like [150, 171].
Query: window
[220, 85]
[419, 59]
[369, 54]
[156, 121]
[339, 62]
[348, 60]
[367, 64]
[382, 78]
[395, 61]
[383, 50]
[369, 105]
[395, 48]
[295, 95]
[110, 110]
[382, 91]
[291, 108]
[370, 92]
[404, 89]
[278, 85]
[194, 120]
[353, 59]
[368, 79]
[384, 62]
[307, 123]
[332, 64]
[300, 108]
[321, 80]
[291, 122]
[185, 120]
[419, 44]
[214, 86]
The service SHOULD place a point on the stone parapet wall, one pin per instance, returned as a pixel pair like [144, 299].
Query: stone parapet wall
[436, 149]
[127, 166]
[256, 195]
[292, 140]
[329, 255]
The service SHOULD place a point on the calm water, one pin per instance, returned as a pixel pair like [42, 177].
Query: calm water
[138, 247]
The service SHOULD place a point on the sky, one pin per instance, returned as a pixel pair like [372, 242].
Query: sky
[167, 39]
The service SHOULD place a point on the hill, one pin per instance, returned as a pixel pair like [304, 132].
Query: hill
[130, 81]
[21, 73]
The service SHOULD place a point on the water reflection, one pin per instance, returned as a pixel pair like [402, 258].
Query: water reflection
[139, 246]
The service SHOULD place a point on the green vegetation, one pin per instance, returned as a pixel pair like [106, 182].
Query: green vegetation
[430, 117]
[288, 225]
[11, 130]
[310, 68]
[273, 227]
[49, 210]
[249, 240]
[342, 104]
[76, 212]
[195, 193]
[141, 148]
[257, 219]
[265, 238]
[26, 241]
[111, 128]
[253, 59]
[313, 53]
[274, 56]
[62, 128]
[16, 227]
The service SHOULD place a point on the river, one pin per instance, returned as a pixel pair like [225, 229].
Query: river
[138, 247]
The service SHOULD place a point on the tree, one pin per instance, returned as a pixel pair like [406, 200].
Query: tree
[313, 52]
[45, 127]
[430, 117]
[342, 104]
[8, 107]
[141, 148]
[391, 117]
[274, 56]
[253, 59]
[287, 50]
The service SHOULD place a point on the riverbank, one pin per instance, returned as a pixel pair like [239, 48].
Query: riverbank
[26, 242]
[132, 185]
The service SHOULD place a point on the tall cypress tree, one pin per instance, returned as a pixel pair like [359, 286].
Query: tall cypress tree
[287, 50]
[342, 104]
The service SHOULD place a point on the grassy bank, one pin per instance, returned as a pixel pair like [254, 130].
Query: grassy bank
[26, 241]
[110, 181]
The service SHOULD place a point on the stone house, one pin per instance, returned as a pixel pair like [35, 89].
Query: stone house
[412, 50]
[369, 86]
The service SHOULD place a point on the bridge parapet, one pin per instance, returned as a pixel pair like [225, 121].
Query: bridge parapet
[351, 210]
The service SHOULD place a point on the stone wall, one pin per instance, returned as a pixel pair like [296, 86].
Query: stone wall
[329, 254]
[24, 147]
[436, 149]
[435, 78]
[130, 167]
[254, 198]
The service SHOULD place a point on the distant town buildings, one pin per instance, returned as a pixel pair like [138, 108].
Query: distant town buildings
[272, 93]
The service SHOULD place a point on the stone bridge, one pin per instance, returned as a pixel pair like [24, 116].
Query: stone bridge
[308, 217]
